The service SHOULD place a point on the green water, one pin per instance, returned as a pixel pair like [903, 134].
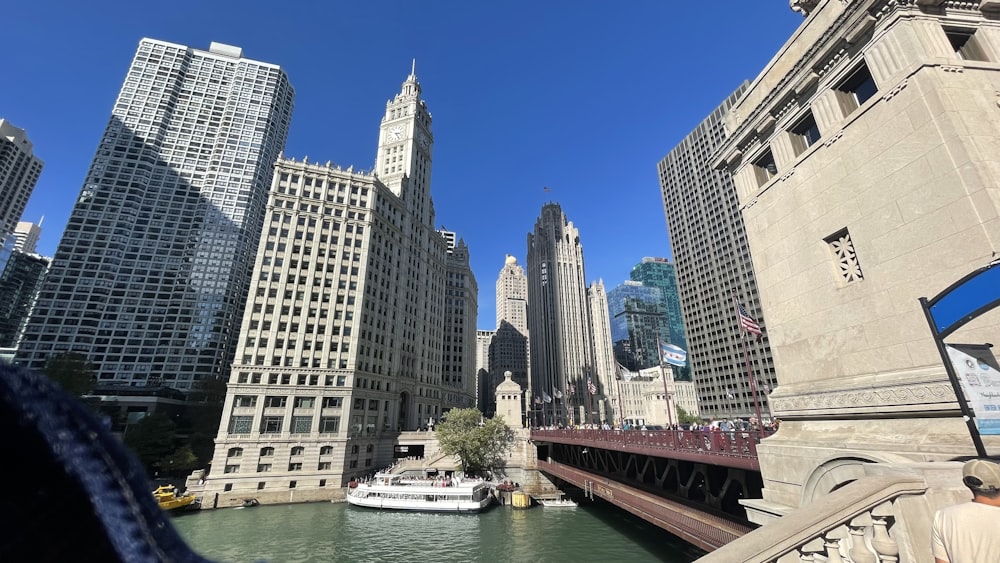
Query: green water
[338, 532]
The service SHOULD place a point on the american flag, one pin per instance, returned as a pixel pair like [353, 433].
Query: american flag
[591, 387]
[747, 323]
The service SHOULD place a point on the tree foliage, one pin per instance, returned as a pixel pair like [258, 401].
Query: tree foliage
[72, 372]
[153, 440]
[479, 444]
[684, 417]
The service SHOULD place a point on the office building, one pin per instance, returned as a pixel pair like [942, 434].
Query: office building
[19, 172]
[713, 267]
[662, 274]
[561, 337]
[153, 269]
[359, 325]
[509, 350]
[605, 368]
[512, 296]
[20, 282]
[637, 323]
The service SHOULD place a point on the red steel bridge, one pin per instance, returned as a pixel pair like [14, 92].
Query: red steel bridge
[686, 482]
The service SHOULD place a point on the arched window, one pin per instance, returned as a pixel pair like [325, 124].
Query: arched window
[326, 450]
[298, 450]
[266, 452]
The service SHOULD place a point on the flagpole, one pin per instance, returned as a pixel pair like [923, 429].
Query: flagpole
[746, 357]
[663, 376]
[590, 401]
[621, 407]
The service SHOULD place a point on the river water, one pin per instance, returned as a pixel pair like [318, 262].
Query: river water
[338, 532]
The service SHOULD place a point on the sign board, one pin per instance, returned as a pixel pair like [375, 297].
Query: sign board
[976, 369]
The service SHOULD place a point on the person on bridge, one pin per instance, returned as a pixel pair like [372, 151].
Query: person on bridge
[970, 532]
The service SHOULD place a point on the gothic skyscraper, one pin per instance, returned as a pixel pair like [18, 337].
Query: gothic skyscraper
[149, 279]
[559, 320]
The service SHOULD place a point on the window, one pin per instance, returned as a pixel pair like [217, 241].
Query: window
[332, 402]
[228, 487]
[322, 482]
[298, 450]
[270, 425]
[275, 401]
[966, 45]
[304, 402]
[804, 133]
[324, 466]
[291, 484]
[235, 452]
[260, 485]
[329, 424]
[856, 89]
[359, 404]
[240, 424]
[264, 468]
[245, 401]
[232, 469]
[764, 168]
[326, 450]
[295, 467]
[266, 452]
[301, 424]
[847, 259]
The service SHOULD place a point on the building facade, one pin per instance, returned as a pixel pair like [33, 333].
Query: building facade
[638, 322]
[19, 172]
[151, 274]
[345, 339]
[662, 274]
[864, 156]
[598, 397]
[713, 266]
[26, 235]
[20, 282]
[561, 338]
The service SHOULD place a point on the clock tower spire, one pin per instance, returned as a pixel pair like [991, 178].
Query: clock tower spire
[405, 147]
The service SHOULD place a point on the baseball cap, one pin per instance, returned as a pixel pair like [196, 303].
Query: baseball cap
[981, 474]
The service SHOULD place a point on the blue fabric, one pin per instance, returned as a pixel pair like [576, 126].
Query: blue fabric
[71, 490]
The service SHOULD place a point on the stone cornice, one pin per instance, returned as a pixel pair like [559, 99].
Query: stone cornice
[873, 401]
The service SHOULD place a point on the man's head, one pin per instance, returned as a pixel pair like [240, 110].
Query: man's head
[982, 477]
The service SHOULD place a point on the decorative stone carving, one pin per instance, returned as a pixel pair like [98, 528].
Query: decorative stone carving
[867, 399]
[803, 7]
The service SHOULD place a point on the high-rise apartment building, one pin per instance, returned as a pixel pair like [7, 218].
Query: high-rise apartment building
[359, 324]
[152, 272]
[713, 266]
[20, 282]
[662, 274]
[19, 172]
[26, 236]
[559, 321]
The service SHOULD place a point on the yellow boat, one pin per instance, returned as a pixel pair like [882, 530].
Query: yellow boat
[166, 497]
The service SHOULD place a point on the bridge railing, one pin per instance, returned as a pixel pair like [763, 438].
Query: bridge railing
[741, 444]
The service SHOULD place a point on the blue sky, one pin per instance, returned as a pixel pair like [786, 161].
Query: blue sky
[582, 96]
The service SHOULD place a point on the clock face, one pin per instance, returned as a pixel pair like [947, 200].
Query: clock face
[424, 141]
[396, 133]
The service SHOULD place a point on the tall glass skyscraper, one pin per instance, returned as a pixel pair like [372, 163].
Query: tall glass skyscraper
[637, 324]
[149, 279]
[660, 273]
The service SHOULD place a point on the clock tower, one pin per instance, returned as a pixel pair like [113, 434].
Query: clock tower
[403, 163]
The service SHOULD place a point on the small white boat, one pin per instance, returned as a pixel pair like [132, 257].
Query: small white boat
[557, 502]
[399, 492]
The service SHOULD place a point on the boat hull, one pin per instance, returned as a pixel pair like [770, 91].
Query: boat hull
[381, 503]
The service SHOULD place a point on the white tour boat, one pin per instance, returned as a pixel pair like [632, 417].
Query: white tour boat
[560, 502]
[400, 492]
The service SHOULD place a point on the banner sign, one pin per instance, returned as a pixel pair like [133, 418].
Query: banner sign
[977, 371]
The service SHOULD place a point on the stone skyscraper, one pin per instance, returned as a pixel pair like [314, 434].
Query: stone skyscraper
[713, 260]
[150, 277]
[359, 324]
[509, 349]
[512, 295]
[559, 320]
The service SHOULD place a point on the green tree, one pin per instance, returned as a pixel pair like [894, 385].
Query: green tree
[684, 417]
[479, 444]
[72, 372]
[153, 440]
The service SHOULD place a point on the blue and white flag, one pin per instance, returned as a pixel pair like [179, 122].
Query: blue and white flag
[673, 355]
